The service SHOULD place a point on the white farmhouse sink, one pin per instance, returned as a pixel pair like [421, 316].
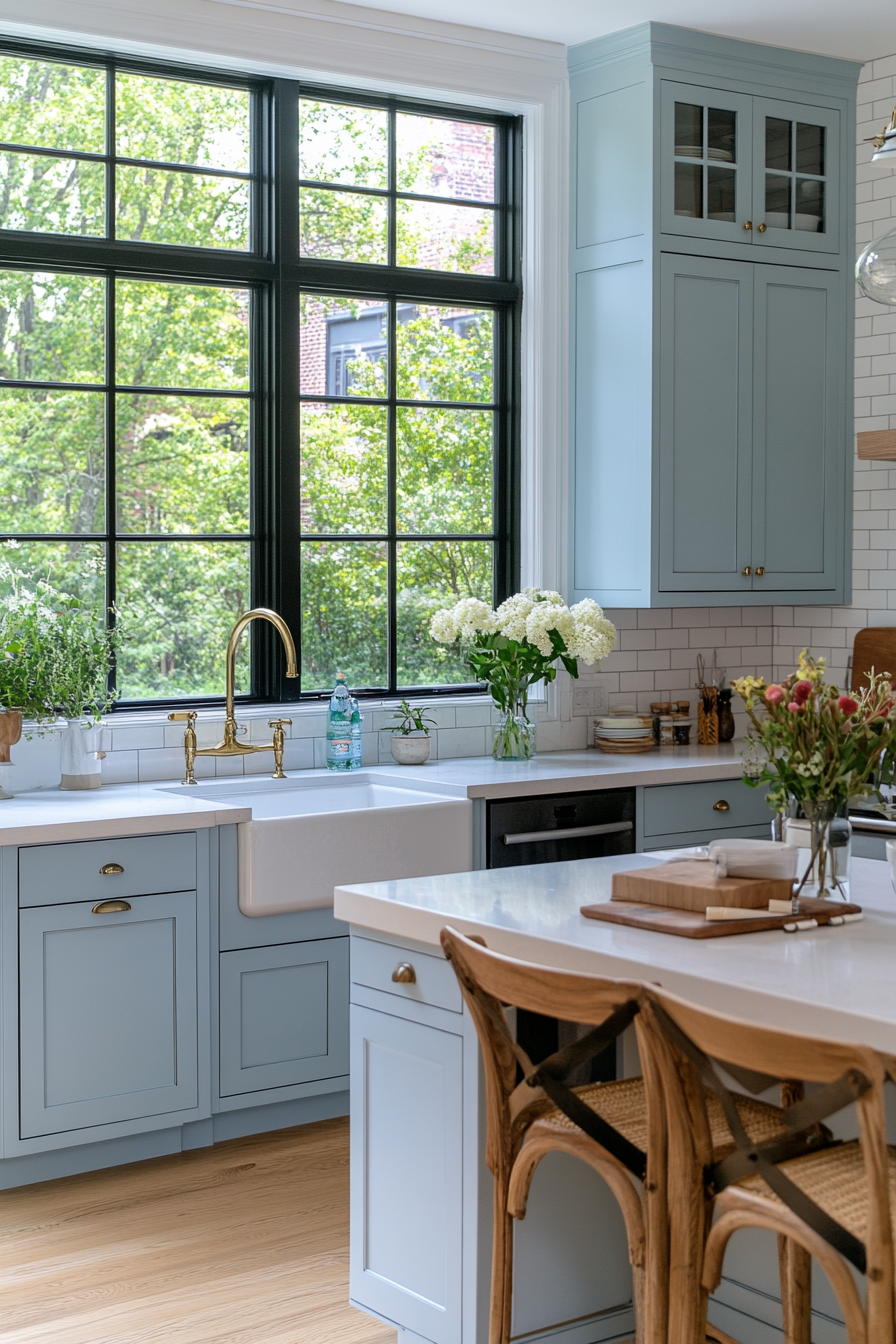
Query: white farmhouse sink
[310, 835]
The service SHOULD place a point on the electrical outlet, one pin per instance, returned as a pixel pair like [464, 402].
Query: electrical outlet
[589, 700]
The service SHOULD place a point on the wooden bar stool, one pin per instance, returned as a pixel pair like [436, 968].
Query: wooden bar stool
[826, 1199]
[618, 1128]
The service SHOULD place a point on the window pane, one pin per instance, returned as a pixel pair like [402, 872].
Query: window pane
[51, 105]
[344, 346]
[809, 215]
[343, 225]
[809, 149]
[777, 201]
[721, 125]
[688, 131]
[175, 121]
[159, 205]
[777, 143]
[49, 195]
[183, 464]
[444, 470]
[53, 327]
[689, 190]
[344, 454]
[436, 237]
[343, 613]
[445, 354]
[181, 335]
[339, 142]
[77, 568]
[433, 574]
[437, 157]
[720, 193]
[51, 461]
[178, 601]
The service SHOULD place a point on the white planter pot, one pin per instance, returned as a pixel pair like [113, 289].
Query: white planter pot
[410, 750]
[81, 755]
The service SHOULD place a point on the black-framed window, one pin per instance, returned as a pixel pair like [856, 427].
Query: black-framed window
[257, 347]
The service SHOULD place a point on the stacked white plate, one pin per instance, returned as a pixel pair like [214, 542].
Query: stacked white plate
[624, 732]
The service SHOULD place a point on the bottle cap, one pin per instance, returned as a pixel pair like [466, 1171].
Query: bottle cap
[340, 676]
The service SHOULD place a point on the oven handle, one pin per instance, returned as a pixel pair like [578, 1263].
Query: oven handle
[883, 825]
[567, 833]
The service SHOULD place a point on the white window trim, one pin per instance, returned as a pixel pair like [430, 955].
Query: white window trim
[342, 44]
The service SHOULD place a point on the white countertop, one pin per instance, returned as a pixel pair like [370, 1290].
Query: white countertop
[837, 982]
[571, 771]
[48, 815]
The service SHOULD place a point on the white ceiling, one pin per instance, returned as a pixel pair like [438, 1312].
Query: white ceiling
[860, 29]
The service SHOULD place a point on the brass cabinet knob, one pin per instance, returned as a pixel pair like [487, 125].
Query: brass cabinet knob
[721, 806]
[111, 870]
[404, 974]
[111, 907]
[748, 224]
[746, 571]
[762, 228]
[760, 570]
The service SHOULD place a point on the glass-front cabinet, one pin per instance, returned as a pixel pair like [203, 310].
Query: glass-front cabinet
[749, 170]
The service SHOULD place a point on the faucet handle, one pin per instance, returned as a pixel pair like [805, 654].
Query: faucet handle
[279, 723]
[188, 716]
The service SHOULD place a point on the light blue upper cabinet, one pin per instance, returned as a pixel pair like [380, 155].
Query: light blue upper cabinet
[711, 247]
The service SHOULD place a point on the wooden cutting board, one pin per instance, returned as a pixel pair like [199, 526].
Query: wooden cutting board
[874, 647]
[694, 886]
[694, 924]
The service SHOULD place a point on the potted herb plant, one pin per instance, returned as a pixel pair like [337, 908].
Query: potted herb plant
[410, 742]
[55, 660]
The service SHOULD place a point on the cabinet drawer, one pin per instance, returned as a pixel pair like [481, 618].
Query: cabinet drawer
[372, 964]
[58, 874]
[670, 809]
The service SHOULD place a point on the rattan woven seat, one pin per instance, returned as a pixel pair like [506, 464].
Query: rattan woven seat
[624, 1105]
[834, 1179]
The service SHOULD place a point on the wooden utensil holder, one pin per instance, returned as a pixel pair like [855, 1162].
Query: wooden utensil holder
[708, 717]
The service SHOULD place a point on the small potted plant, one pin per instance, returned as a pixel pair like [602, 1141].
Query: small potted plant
[55, 659]
[410, 742]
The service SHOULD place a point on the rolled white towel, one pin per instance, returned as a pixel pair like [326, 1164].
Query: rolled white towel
[754, 858]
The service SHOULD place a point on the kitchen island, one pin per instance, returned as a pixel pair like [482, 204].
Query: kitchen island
[420, 1190]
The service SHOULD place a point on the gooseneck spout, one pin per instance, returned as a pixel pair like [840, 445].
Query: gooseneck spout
[228, 746]
[256, 614]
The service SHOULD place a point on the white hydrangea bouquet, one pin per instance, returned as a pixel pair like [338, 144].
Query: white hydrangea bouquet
[519, 644]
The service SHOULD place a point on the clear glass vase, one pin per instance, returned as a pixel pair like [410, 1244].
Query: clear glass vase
[515, 734]
[822, 875]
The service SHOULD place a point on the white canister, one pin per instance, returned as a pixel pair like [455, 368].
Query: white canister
[81, 755]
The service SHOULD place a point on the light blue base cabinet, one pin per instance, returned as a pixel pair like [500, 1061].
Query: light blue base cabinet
[711, 250]
[141, 1013]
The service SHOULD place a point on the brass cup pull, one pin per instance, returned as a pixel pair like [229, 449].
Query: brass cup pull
[760, 570]
[746, 571]
[748, 224]
[111, 870]
[111, 907]
[404, 974]
[762, 228]
[721, 806]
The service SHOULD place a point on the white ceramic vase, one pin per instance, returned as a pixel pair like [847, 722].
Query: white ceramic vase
[81, 755]
[410, 750]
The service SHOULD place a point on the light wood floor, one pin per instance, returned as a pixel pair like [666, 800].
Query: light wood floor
[243, 1243]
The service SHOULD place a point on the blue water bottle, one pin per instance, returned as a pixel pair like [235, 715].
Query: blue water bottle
[339, 727]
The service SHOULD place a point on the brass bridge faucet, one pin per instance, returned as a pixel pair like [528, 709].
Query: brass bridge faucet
[228, 746]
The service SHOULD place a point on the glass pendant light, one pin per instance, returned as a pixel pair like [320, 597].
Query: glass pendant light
[876, 268]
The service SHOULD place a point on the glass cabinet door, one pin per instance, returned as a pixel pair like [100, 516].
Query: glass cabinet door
[706, 162]
[796, 179]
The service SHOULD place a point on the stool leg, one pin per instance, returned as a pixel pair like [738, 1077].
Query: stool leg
[502, 1267]
[795, 1266]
